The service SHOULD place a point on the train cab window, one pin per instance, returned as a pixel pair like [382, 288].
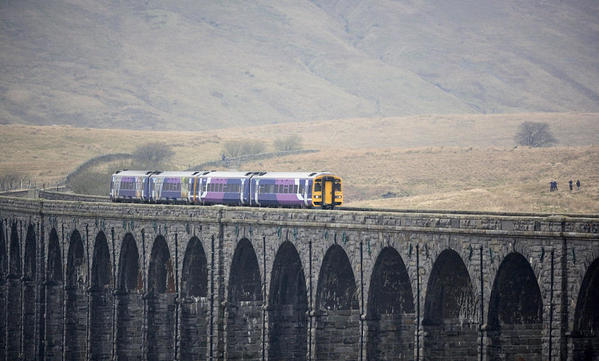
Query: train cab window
[338, 186]
[317, 187]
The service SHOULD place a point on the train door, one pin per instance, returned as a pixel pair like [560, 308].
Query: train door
[328, 189]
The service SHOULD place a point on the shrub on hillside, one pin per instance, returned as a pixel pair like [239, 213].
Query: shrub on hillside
[292, 142]
[152, 155]
[91, 182]
[535, 134]
[238, 148]
[12, 180]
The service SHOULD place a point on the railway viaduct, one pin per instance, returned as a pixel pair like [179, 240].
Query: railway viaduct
[101, 281]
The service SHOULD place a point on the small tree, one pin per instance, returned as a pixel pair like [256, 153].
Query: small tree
[292, 142]
[243, 147]
[535, 134]
[152, 155]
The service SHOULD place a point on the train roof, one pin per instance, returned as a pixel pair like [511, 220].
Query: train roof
[226, 174]
[288, 175]
[176, 174]
[132, 173]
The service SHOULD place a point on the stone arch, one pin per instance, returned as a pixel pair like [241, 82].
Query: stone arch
[586, 316]
[54, 299]
[29, 282]
[161, 302]
[101, 301]
[76, 300]
[244, 306]
[287, 304]
[450, 317]
[194, 306]
[129, 301]
[515, 318]
[390, 312]
[3, 272]
[13, 308]
[338, 313]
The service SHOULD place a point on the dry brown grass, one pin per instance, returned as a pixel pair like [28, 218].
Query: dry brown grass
[429, 162]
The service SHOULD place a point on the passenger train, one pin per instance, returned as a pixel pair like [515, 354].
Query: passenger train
[259, 189]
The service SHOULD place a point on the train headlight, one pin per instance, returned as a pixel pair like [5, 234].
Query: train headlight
[316, 197]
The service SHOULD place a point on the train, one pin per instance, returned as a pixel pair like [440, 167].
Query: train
[256, 189]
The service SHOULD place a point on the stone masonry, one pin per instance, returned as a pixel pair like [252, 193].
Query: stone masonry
[103, 281]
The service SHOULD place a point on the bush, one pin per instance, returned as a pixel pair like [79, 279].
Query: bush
[96, 180]
[534, 134]
[152, 155]
[12, 180]
[238, 148]
[292, 142]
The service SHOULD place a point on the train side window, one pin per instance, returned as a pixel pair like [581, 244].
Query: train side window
[301, 189]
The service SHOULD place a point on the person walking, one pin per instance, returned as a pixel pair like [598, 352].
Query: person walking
[578, 184]
[571, 185]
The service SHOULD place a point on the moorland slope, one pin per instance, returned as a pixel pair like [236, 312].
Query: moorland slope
[193, 65]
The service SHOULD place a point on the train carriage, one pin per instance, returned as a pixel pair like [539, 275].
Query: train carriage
[296, 189]
[171, 187]
[130, 185]
[231, 188]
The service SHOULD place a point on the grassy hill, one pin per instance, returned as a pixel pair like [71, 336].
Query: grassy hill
[418, 162]
[193, 65]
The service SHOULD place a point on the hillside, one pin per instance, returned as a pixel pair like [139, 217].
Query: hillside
[464, 162]
[193, 65]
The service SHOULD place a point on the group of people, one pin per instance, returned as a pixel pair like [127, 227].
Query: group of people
[553, 185]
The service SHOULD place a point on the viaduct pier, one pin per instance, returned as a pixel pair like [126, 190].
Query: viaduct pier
[102, 281]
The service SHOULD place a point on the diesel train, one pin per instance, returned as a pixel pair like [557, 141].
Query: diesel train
[258, 189]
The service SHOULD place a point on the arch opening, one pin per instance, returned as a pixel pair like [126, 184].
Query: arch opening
[288, 303]
[76, 300]
[129, 301]
[54, 299]
[586, 316]
[13, 308]
[29, 282]
[101, 300]
[390, 313]
[3, 290]
[450, 312]
[161, 302]
[244, 306]
[515, 321]
[338, 313]
[194, 306]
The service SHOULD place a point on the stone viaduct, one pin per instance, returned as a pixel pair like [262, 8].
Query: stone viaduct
[102, 281]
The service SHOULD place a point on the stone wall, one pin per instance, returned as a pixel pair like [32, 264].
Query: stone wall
[103, 281]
